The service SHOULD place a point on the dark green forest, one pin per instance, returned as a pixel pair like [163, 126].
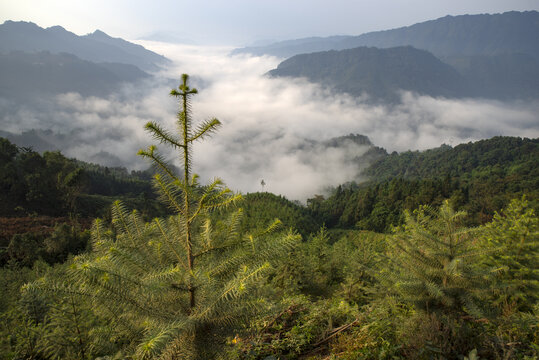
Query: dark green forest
[435, 256]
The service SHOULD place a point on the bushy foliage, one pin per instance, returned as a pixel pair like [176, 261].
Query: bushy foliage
[512, 239]
[298, 330]
[332, 263]
[344, 307]
[50, 242]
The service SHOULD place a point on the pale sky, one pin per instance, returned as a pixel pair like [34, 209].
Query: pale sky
[240, 22]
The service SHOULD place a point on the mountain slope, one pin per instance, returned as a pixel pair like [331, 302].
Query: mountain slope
[25, 74]
[96, 47]
[381, 73]
[464, 35]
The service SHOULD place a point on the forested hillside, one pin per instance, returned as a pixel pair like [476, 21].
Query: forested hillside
[503, 153]
[48, 196]
[262, 208]
[434, 257]
[480, 177]
[53, 185]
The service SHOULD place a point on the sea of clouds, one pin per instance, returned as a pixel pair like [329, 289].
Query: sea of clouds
[266, 122]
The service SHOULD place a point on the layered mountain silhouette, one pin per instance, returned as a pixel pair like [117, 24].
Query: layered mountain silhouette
[463, 35]
[96, 47]
[479, 56]
[42, 62]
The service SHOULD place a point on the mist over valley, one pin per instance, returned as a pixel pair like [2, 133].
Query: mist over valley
[275, 127]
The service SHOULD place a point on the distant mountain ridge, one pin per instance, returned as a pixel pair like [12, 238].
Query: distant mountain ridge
[288, 48]
[463, 35]
[96, 47]
[38, 62]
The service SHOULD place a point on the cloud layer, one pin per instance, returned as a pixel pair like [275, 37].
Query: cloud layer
[266, 122]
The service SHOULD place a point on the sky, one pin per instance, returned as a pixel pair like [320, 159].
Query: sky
[243, 22]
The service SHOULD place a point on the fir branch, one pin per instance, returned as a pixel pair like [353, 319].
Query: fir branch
[205, 129]
[162, 135]
[157, 160]
[164, 234]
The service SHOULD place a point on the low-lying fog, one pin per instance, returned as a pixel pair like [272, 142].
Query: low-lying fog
[265, 122]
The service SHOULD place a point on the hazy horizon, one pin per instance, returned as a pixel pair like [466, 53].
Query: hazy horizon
[242, 22]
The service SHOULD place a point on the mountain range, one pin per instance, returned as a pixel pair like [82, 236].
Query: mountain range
[478, 56]
[463, 35]
[96, 47]
[493, 62]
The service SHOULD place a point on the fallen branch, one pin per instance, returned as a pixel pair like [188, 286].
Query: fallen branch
[290, 310]
[336, 331]
[331, 335]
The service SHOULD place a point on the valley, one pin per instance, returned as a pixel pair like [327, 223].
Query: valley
[364, 196]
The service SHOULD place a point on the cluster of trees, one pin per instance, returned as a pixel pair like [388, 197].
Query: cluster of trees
[31, 182]
[53, 185]
[214, 280]
[500, 154]
[260, 208]
[48, 197]
[433, 289]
